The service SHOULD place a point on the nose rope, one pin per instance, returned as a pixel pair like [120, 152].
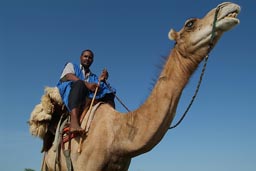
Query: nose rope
[203, 70]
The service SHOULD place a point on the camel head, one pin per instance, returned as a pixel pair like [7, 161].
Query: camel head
[195, 40]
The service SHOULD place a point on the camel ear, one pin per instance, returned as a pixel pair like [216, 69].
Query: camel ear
[172, 34]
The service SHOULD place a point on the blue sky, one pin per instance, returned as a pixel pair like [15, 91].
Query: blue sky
[129, 38]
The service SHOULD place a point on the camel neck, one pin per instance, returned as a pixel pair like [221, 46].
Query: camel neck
[151, 121]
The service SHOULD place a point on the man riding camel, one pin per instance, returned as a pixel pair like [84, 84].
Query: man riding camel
[77, 83]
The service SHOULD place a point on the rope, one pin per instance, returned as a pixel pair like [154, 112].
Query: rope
[120, 101]
[203, 70]
[195, 94]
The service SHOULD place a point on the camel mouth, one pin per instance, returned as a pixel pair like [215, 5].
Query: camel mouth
[229, 13]
[227, 16]
[231, 16]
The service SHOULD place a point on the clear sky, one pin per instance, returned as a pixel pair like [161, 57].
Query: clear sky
[129, 38]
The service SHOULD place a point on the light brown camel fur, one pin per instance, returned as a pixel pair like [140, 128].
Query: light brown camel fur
[115, 138]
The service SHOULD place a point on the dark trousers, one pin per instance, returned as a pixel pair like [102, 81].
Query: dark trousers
[77, 95]
[79, 92]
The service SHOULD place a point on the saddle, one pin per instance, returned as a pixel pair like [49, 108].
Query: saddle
[59, 126]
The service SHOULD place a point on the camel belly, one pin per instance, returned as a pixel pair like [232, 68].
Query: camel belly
[117, 164]
[89, 162]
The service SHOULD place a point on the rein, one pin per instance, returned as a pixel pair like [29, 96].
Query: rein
[195, 94]
[120, 101]
[203, 70]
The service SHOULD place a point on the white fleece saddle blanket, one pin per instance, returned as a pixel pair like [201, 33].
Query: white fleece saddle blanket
[41, 115]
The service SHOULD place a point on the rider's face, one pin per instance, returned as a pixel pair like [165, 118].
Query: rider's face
[86, 59]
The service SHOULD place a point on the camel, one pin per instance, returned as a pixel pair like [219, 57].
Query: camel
[115, 138]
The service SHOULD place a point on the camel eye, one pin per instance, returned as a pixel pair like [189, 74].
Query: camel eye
[190, 23]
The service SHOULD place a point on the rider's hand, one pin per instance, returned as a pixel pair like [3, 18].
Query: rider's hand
[91, 86]
[104, 75]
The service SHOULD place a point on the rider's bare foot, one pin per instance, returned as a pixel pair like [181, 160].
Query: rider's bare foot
[77, 130]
